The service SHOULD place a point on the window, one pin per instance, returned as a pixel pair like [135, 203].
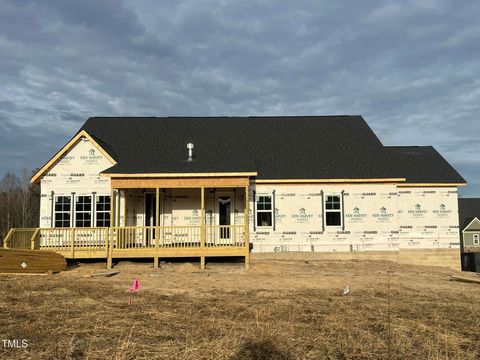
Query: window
[62, 211]
[333, 210]
[476, 239]
[103, 211]
[83, 211]
[264, 210]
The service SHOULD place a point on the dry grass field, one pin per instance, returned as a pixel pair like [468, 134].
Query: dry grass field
[281, 309]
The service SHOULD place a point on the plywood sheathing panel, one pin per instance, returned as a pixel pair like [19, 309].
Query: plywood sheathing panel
[196, 182]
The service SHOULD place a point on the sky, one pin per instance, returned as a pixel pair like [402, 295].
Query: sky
[410, 68]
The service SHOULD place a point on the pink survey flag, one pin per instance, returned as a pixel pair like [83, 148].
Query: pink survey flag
[135, 286]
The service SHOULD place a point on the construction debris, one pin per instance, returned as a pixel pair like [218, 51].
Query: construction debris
[106, 274]
[465, 279]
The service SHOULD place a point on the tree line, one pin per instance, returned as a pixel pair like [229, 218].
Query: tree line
[19, 202]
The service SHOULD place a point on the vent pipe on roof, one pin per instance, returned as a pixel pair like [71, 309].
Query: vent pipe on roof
[190, 151]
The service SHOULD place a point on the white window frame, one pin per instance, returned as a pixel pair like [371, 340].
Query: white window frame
[83, 211]
[257, 211]
[97, 196]
[55, 212]
[476, 239]
[340, 210]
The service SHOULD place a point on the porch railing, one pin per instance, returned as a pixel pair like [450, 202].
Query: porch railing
[68, 238]
[20, 238]
[177, 236]
[225, 235]
[126, 238]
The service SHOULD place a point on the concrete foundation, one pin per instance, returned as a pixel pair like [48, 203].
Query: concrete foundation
[430, 257]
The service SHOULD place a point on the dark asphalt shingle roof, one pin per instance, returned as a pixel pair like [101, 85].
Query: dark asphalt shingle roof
[422, 164]
[468, 209]
[277, 147]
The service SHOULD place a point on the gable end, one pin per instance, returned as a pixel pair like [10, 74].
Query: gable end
[81, 134]
[474, 225]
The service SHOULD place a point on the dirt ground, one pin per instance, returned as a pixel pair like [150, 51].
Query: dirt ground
[280, 309]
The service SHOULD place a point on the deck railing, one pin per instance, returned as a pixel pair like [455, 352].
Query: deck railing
[126, 238]
[177, 236]
[220, 235]
[132, 237]
[20, 238]
[67, 238]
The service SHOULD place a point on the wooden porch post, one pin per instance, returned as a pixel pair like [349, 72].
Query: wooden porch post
[33, 239]
[157, 227]
[247, 230]
[202, 228]
[124, 207]
[119, 210]
[111, 230]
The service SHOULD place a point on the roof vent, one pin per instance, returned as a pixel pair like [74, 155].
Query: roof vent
[190, 151]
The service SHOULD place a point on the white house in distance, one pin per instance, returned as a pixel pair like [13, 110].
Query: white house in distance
[176, 186]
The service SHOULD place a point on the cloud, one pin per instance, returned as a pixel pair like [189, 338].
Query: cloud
[410, 67]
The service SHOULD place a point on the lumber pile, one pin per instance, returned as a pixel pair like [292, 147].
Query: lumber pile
[30, 261]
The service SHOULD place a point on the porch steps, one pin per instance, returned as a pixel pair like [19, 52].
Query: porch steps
[18, 261]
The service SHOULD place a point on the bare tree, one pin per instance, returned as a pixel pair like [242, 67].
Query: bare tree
[19, 202]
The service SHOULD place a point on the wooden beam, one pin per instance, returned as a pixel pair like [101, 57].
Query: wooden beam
[157, 225]
[113, 208]
[202, 224]
[125, 208]
[432, 185]
[33, 238]
[328, 181]
[145, 183]
[157, 207]
[110, 229]
[180, 252]
[180, 175]
[117, 211]
[464, 279]
[110, 248]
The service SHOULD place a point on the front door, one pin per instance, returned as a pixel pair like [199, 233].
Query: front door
[225, 214]
[150, 209]
[150, 217]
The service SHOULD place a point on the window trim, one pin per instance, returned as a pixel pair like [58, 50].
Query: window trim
[340, 211]
[476, 239]
[55, 212]
[83, 212]
[257, 211]
[109, 212]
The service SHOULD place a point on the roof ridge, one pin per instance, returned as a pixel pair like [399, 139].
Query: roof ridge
[408, 146]
[225, 117]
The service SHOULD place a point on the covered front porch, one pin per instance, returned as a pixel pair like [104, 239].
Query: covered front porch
[157, 217]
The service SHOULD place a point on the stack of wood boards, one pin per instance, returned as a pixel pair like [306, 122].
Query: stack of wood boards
[30, 261]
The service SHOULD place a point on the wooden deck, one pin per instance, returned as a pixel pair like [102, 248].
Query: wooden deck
[135, 242]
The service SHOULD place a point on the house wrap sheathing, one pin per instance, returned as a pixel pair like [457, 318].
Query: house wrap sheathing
[414, 207]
